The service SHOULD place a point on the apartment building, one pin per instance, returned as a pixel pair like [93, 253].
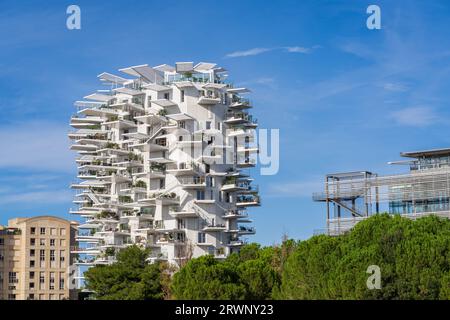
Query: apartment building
[35, 259]
[353, 196]
[164, 155]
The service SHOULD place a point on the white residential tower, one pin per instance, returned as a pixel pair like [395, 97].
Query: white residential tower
[163, 159]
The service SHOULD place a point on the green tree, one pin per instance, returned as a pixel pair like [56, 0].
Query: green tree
[248, 274]
[130, 278]
[207, 278]
[414, 258]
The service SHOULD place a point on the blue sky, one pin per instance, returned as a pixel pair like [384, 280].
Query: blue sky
[344, 97]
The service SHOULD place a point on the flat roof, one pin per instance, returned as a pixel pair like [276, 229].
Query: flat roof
[348, 174]
[426, 153]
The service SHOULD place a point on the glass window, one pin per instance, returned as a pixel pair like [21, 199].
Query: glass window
[42, 231]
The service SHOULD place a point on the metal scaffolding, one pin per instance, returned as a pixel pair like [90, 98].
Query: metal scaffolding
[357, 195]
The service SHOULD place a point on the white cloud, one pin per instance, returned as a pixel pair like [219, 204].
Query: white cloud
[396, 87]
[36, 145]
[415, 116]
[257, 51]
[298, 49]
[246, 53]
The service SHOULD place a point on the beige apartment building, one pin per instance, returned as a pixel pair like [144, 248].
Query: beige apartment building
[35, 259]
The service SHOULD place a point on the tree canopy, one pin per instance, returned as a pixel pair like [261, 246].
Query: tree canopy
[413, 256]
[130, 278]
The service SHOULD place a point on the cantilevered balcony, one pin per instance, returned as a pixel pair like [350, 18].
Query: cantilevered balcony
[246, 163]
[214, 228]
[86, 123]
[182, 168]
[242, 132]
[178, 212]
[247, 149]
[246, 230]
[192, 182]
[209, 100]
[240, 103]
[231, 184]
[235, 243]
[248, 201]
[236, 118]
[241, 230]
[235, 215]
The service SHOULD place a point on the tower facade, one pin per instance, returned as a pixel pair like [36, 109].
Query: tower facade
[162, 154]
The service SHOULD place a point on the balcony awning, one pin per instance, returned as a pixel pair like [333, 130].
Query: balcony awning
[179, 116]
[214, 86]
[184, 84]
[108, 77]
[89, 104]
[136, 135]
[165, 68]
[204, 66]
[238, 90]
[150, 119]
[129, 91]
[99, 97]
[184, 66]
[145, 72]
[156, 87]
[163, 103]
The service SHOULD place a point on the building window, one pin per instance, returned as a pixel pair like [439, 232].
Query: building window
[31, 274]
[32, 252]
[31, 285]
[200, 195]
[182, 96]
[52, 255]
[32, 264]
[61, 281]
[62, 258]
[11, 296]
[42, 255]
[52, 281]
[201, 237]
[32, 241]
[42, 231]
[62, 242]
[53, 231]
[166, 96]
[52, 242]
[32, 230]
[12, 277]
[63, 231]
[42, 280]
[31, 296]
[42, 242]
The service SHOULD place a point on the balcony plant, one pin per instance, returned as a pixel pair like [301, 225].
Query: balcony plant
[162, 112]
[125, 199]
